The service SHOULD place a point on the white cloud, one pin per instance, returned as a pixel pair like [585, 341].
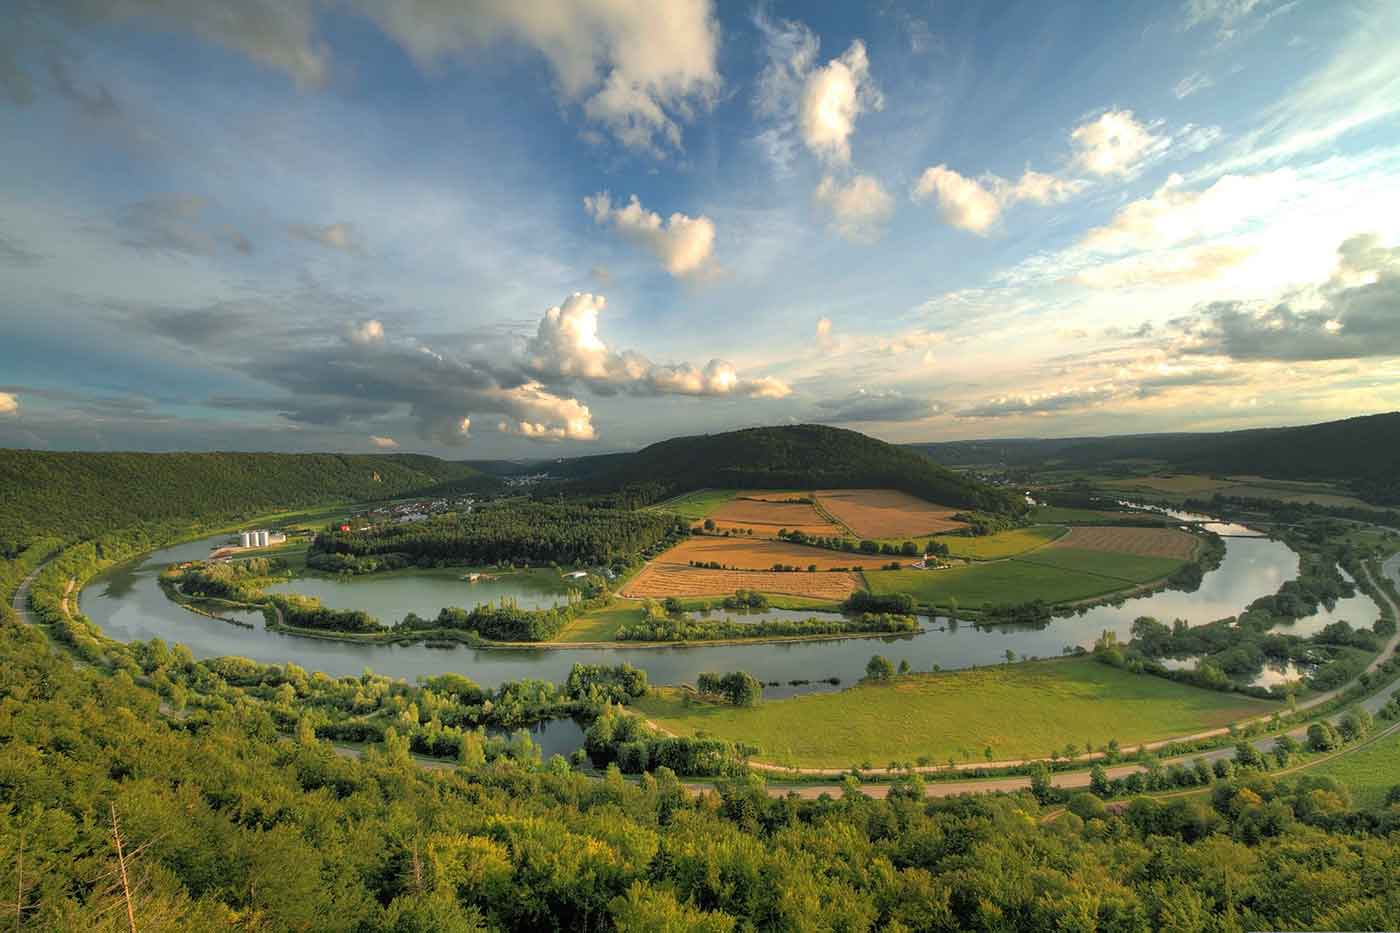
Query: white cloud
[1172, 267]
[834, 95]
[1115, 143]
[638, 71]
[9, 403]
[685, 245]
[859, 208]
[962, 202]
[1197, 81]
[367, 332]
[1175, 215]
[541, 415]
[342, 236]
[824, 331]
[566, 347]
[383, 443]
[1039, 187]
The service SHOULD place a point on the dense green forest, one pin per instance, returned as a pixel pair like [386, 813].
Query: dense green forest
[530, 532]
[74, 495]
[802, 456]
[1362, 452]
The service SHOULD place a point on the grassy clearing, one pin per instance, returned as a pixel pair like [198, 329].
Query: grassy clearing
[1019, 711]
[1130, 568]
[978, 585]
[601, 624]
[1003, 544]
[1369, 773]
[695, 505]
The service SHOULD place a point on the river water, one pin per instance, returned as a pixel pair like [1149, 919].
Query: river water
[129, 605]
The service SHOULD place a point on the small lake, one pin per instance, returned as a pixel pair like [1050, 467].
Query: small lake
[128, 604]
[391, 596]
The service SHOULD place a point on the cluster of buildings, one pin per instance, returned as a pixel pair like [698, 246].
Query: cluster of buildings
[260, 538]
[406, 512]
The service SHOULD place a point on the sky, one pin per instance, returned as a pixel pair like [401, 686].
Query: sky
[546, 228]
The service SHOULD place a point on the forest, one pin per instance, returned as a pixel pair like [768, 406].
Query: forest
[513, 532]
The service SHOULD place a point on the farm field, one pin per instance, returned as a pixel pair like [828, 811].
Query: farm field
[694, 505]
[658, 580]
[752, 554]
[992, 583]
[766, 516]
[1146, 542]
[1369, 773]
[886, 513]
[1055, 515]
[1248, 487]
[1129, 568]
[1003, 543]
[1018, 711]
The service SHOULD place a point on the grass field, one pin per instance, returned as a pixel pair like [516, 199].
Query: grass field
[1146, 542]
[1019, 711]
[885, 513]
[993, 583]
[1130, 568]
[1002, 544]
[1369, 773]
[695, 505]
[601, 624]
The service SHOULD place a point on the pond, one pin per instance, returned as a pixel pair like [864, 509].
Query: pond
[129, 605]
[391, 596]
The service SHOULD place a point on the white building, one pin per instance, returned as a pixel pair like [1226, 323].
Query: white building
[245, 539]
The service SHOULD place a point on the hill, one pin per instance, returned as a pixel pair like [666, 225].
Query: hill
[1363, 452]
[72, 495]
[804, 456]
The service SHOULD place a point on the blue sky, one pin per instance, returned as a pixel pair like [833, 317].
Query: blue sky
[545, 229]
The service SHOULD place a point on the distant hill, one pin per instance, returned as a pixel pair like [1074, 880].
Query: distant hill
[72, 495]
[802, 456]
[1362, 452]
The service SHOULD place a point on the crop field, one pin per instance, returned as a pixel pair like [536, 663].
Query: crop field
[751, 554]
[1247, 487]
[992, 583]
[1004, 543]
[1144, 542]
[766, 516]
[658, 580]
[886, 513]
[1018, 711]
[1368, 773]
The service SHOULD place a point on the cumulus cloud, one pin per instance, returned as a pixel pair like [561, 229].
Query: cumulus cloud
[807, 103]
[685, 245]
[976, 205]
[865, 405]
[638, 73]
[383, 443]
[1352, 316]
[9, 403]
[342, 236]
[1171, 267]
[566, 347]
[859, 208]
[1115, 143]
[833, 96]
[1173, 214]
[367, 332]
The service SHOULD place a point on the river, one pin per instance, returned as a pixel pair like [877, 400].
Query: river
[128, 603]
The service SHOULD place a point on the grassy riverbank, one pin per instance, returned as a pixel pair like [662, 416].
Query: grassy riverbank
[1019, 711]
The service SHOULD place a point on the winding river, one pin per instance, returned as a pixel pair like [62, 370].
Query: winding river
[129, 605]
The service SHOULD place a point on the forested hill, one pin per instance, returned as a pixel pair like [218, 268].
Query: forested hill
[801, 456]
[74, 495]
[1363, 452]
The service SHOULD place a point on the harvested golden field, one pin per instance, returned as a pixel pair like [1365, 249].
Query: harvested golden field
[757, 554]
[886, 513]
[1143, 542]
[659, 580]
[766, 517]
